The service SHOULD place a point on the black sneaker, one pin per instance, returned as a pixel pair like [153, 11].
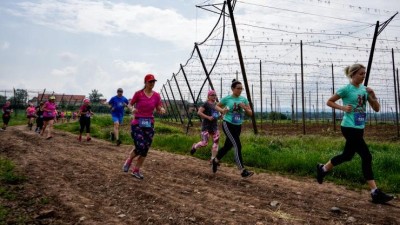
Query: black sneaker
[214, 166]
[137, 175]
[320, 173]
[193, 150]
[246, 173]
[112, 137]
[379, 197]
[118, 142]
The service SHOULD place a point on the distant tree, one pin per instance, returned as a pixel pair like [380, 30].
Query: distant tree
[277, 116]
[3, 99]
[20, 97]
[95, 96]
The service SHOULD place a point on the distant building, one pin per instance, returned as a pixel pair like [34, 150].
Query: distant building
[62, 98]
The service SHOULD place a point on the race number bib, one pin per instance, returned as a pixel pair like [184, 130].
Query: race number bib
[215, 114]
[359, 118]
[144, 122]
[236, 118]
[87, 114]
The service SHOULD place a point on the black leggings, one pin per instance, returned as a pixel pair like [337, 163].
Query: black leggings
[355, 144]
[84, 122]
[232, 133]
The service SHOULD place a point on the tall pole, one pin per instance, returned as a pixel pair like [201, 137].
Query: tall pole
[253, 119]
[395, 95]
[176, 104]
[180, 94]
[371, 54]
[261, 101]
[333, 109]
[302, 87]
[296, 113]
[170, 104]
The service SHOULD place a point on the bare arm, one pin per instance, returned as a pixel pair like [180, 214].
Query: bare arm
[372, 100]
[202, 115]
[247, 109]
[332, 103]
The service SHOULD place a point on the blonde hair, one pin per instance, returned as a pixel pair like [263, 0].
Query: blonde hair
[351, 70]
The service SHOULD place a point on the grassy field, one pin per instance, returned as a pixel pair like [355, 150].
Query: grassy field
[287, 155]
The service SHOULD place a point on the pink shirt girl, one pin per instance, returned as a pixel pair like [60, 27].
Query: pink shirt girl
[49, 109]
[31, 111]
[145, 107]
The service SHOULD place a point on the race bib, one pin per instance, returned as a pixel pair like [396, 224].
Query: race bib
[215, 114]
[49, 114]
[87, 114]
[236, 118]
[144, 122]
[359, 118]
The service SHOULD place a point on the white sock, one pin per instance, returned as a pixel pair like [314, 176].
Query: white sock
[324, 169]
[373, 190]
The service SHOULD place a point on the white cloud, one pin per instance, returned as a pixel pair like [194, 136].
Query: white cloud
[5, 45]
[109, 18]
[67, 56]
[65, 72]
[129, 66]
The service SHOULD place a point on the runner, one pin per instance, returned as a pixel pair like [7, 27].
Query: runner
[30, 114]
[49, 115]
[85, 113]
[142, 105]
[233, 106]
[7, 110]
[39, 117]
[117, 105]
[209, 125]
[355, 96]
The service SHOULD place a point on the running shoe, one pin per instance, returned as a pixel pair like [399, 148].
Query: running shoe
[112, 137]
[320, 173]
[214, 166]
[137, 175]
[379, 197]
[246, 173]
[88, 139]
[126, 166]
[118, 142]
[193, 150]
[80, 138]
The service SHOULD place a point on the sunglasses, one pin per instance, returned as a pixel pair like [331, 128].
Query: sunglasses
[151, 81]
[212, 95]
[239, 88]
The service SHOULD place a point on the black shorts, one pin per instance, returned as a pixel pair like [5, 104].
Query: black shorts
[48, 118]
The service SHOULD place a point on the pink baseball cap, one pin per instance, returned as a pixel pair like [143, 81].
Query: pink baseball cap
[86, 100]
[211, 92]
[149, 77]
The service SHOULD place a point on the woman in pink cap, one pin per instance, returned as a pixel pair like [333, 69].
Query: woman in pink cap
[142, 105]
[30, 114]
[209, 125]
[49, 115]
[85, 113]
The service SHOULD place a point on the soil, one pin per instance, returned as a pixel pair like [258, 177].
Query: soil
[71, 182]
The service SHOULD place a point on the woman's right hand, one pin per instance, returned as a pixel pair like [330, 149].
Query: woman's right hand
[347, 108]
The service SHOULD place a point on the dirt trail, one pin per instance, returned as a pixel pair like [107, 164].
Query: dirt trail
[84, 184]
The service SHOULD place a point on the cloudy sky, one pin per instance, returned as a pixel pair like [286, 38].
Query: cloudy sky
[75, 46]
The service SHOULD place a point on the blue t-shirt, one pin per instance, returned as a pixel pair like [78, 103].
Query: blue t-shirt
[117, 105]
[357, 98]
[235, 115]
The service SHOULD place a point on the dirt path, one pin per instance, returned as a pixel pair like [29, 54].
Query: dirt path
[82, 183]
